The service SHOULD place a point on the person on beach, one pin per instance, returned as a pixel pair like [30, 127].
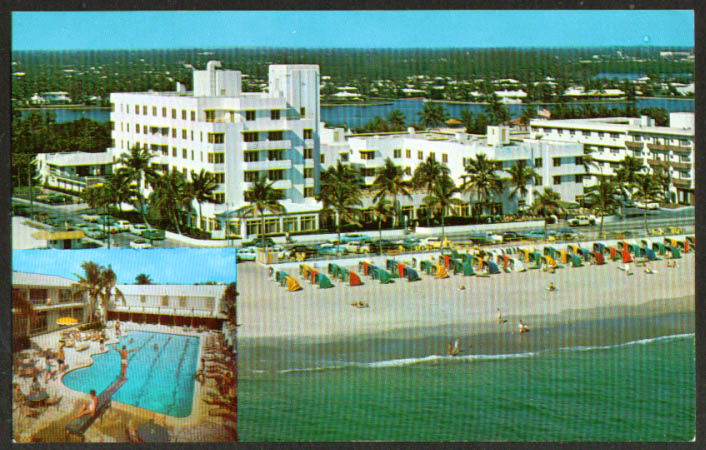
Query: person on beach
[35, 387]
[89, 408]
[523, 328]
[123, 358]
[551, 287]
[60, 358]
[648, 269]
[47, 370]
[501, 319]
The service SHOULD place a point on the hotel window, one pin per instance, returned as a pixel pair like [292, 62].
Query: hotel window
[144, 129]
[302, 111]
[578, 178]
[557, 179]
[275, 135]
[271, 225]
[397, 152]
[308, 222]
[322, 159]
[219, 177]
[275, 174]
[192, 155]
[308, 133]
[250, 156]
[182, 301]
[250, 115]
[216, 158]
[142, 299]
[251, 176]
[38, 322]
[127, 127]
[183, 153]
[173, 113]
[578, 160]
[210, 116]
[193, 116]
[164, 111]
[210, 302]
[275, 155]
[407, 153]
[601, 134]
[37, 296]
[219, 198]
[420, 155]
[137, 109]
[250, 136]
[144, 110]
[183, 133]
[556, 162]
[408, 170]
[154, 110]
[192, 136]
[289, 223]
[137, 128]
[586, 133]
[165, 150]
[174, 152]
[308, 172]
[444, 158]
[367, 155]
[308, 153]
[572, 133]
[274, 114]
[216, 138]
[183, 114]
[165, 300]
[539, 181]
[174, 132]
[615, 135]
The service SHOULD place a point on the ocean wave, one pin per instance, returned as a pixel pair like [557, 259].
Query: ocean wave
[629, 343]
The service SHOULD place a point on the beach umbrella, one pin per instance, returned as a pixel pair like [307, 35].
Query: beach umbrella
[66, 321]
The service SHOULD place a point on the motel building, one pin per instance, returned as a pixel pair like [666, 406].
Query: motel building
[610, 140]
[237, 137]
[52, 297]
[559, 164]
[73, 171]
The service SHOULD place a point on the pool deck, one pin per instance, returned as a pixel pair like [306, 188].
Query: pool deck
[25, 427]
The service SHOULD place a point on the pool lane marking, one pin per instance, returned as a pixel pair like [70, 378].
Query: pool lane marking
[151, 370]
[172, 405]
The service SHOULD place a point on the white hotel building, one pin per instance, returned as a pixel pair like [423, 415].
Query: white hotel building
[610, 140]
[236, 136]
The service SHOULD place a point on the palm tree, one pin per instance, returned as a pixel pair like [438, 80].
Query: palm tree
[520, 176]
[382, 211]
[396, 119]
[647, 189]
[171, 196]
[426, 174]
[604, 194]
[143, 279]
[137, 166]
[546, 204]
[263, 197]
[442, 197]
[433, 114]
[481, 179]
[495, 110]
[119, 189]
[340, 194]
[108, 281]
[91, 282]
[389, 181]
[202, 186]
[626, 174]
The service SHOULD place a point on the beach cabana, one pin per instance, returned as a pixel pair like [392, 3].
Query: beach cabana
[563, 256]
[598, 258]
[599, 247]
[549, 261]
[364, 266]
[584, 253]
[613, 252]
[411, 274]
[625, 255]
[390, 264]
[354, 279]
[572, 249]
[650, 254]
[659, 248]
[323, 281]
[515, 265]
[673, 252]
[292, 284]
[444, 260]
[683, 245]
[491, 267]
[343, 274]
[524, 254]
[535, 257]
[671, 242]
[439, 271]
[279, 275]
[691, 240]
[425, 266]
[383, 276]
[575, 260]
[634, 249]
[334, 270]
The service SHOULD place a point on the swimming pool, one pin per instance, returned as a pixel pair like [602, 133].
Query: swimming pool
[158, 380]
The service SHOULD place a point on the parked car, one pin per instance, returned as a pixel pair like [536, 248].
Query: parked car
[410, 243]
[581, 221]
[245, 254]
[140, 243]
[354, 237]
[538, 235]
[106, 220]
[95, 232]
[485, 238]
[431, 242]
[386, 245]
[300, 248]
[153, 234]
[509, 236]
[90, 217]
[567, 233]
[328, 248]
[259, 242]
[138, 228]
[357, 247]
[123, 225]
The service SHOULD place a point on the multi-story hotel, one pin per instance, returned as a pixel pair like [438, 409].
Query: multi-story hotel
[236, 136]
[610, 140]
[558, 164]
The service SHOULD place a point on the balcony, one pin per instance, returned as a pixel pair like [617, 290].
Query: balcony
[279, 184]
[265, 165]
[681, 183]
[267, 145]
[634, 145]
[680, 165]
[657, 162]
[665, 148]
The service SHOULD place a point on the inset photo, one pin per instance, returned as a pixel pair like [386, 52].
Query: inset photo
[124, 345]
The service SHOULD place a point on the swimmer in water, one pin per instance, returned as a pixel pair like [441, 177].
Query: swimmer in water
[156, 347]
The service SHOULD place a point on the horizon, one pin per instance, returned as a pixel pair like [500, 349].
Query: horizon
[161, 30]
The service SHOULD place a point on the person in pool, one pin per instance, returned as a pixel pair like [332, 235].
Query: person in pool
[123, 358]
[89, 408]
[156, 347]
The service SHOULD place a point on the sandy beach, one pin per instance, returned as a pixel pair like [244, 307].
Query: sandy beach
[266, 310]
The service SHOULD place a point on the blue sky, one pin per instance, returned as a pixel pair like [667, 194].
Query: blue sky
[167, 266]
[351, 29]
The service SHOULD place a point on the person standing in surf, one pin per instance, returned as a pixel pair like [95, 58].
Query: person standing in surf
[123, 358]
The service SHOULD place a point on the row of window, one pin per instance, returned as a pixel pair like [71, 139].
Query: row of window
[144, 110]
[397, 154]
[272, 175]
[571, 132]
[289, 224]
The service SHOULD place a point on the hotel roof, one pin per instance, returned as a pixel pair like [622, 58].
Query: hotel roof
[38, 279]
[193, 290]
[78, 158]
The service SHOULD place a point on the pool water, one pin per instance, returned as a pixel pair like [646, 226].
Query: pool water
[158, 380]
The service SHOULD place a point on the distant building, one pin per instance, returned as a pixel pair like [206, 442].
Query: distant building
[56, 98]
[73, 171]
[610, 140]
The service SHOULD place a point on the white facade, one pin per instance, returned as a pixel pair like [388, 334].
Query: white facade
[73, 170]
[201, 300]
[610, 140]
[234, 135]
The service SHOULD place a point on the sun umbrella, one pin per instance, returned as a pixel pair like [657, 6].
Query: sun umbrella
[66, 321]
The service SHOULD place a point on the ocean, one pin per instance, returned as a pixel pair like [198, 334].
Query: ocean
[619, 379]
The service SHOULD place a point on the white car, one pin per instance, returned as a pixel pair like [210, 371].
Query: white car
[140, 243]
[122, 225]
[138, 228]
[356, 247]
[581, 221]
[90, 217]
[496, 238]
[245, 254]
[431, 242]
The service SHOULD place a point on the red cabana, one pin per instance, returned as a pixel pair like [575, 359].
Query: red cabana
[599, 260]
[354, 279]
[626, 254]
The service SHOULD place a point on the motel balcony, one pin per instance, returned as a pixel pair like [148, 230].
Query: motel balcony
[264, 165]
[267, 145]
[279, 184]
[681, 183]
[633, 145]
[674, 148]
[164, 310]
